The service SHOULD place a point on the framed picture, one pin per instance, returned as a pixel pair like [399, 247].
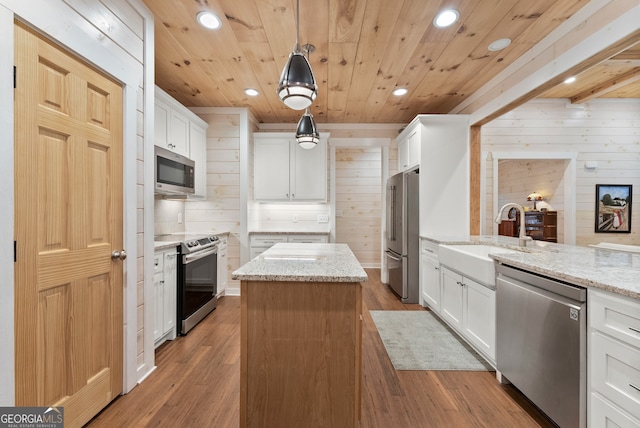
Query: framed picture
[613, 208]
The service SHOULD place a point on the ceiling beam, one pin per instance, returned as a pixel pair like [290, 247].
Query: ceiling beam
[608, 86]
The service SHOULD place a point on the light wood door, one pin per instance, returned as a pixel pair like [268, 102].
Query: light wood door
[68, 210]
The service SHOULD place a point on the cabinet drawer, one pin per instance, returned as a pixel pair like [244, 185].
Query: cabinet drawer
[615, 315]
[615, 372]
[429, 247]
[603, 414]
[310, 239]
[158, 262]
[267, 241]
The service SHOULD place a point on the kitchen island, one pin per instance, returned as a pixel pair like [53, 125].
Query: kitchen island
[301, 315]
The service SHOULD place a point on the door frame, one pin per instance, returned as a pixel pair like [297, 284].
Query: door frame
[70, 30]
[569, 186]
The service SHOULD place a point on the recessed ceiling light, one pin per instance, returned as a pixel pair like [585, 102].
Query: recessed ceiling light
[570, 80]
[499, 44]
[251, 92]
[400, 92]
[446, 18]
[209, 20]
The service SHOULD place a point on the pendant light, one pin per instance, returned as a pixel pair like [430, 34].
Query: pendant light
[307, 134]
[297, 87]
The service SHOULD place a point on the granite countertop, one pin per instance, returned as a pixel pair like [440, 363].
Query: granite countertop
[164, 245]
[601, 268]
[303, 263]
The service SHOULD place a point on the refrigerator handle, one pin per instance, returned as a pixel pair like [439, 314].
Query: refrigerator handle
[392, 213]
[391, 256]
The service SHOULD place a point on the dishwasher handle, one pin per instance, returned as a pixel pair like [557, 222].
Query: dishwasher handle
[570, 291]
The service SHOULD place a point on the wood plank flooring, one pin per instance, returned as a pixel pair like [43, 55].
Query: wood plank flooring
[197, 382]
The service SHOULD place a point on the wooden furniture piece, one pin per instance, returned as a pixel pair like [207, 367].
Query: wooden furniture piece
[539, 225]
[301, 326]
[542, 225]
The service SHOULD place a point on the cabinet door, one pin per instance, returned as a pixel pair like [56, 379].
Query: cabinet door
[480, 317]
[161, 124]
[430, 282]
[198, 153]
[403, 155]
[271, 170]
[451, 304]
[170, 291]
[222, 265]
[179, 133]
[309, 172]
[414, 149]
[158, 300]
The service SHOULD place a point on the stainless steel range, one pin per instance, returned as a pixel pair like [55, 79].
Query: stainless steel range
[197, 277]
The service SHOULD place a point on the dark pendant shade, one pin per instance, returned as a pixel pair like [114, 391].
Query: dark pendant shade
[297, 87]
[307, 134]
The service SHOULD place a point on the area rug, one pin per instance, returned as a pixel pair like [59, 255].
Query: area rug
[418, 340]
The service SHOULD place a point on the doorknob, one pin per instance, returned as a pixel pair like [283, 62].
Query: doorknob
[115, 255]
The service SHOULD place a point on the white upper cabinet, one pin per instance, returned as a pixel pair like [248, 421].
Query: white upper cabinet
[198, 153]
[283, 171]
[181, 131]
[409, 147]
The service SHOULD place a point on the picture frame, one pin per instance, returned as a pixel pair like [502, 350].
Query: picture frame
[613, 208]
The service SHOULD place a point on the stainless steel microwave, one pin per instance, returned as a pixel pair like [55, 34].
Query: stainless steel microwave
[174, 173]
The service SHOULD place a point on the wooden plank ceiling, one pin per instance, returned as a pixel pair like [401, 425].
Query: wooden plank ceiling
[364, 49]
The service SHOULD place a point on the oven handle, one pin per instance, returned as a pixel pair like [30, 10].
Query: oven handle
[189, 258]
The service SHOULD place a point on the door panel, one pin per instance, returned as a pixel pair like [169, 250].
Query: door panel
[68, 202]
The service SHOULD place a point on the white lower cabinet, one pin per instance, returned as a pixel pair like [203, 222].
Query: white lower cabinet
[614, 360]
[430, 276]
[452, 287]
[165, 277]
[261, 243]
[222, 262]
[470, 308]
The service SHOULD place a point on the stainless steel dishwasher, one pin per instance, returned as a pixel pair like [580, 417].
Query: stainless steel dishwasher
[541, 342]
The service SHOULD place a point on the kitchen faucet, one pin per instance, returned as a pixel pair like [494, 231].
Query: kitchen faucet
[523, 238]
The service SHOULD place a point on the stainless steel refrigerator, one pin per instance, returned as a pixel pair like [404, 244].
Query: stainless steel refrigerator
[402, 235]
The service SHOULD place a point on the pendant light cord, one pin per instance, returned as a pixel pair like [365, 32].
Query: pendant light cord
[297, 47]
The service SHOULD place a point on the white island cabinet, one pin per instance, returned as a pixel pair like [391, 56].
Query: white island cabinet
[470, 308]
[614, 360]
[285, 172]
[430, 276]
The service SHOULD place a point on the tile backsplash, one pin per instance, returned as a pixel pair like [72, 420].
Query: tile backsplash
[169, 216]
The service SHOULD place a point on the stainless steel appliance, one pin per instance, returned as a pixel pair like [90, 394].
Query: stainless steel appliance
[197, 277]
[402, 236]
[541, 342]
[174, 174]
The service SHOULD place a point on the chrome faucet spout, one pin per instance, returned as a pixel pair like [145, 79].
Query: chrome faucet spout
[523, 238]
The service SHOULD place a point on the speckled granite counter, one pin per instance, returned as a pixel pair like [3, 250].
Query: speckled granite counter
[303, 263]
[605, 269]
[160, 246]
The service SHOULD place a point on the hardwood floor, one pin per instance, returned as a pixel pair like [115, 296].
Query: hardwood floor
[197, 382]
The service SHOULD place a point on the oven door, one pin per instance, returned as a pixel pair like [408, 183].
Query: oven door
[197, 287]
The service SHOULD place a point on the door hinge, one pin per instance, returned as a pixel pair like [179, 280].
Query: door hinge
[14, 77]
[15, 251]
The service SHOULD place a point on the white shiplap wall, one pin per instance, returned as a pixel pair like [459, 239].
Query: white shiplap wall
[606, 131]
[359, 201]
[220, 212]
